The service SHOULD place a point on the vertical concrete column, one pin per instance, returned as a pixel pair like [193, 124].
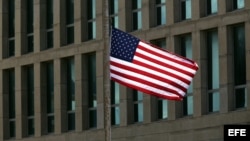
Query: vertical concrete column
[145, 13]
[100, 90]
[199, 81]
[20, 27]
[21, 103]
[79, 93]
[3, 29]
[247, 5]
[222, 7]
[126, 106]
[226, 79]
[59, 20]
[150, 110]
[40, 103]
[122, 14]
[60, 97]
[99, 20]
[4, 107]
[247, 34]
[170, 11]
[78, 21]
[195, 6]
[39, 25]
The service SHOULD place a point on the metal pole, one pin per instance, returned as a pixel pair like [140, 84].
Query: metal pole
[107, 123]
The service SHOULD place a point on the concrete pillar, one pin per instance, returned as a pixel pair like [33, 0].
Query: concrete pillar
[145, 11]
[39, 25]
[196, 12]
[59, 20]
[100, 90]
[150, 110]
[60, 97]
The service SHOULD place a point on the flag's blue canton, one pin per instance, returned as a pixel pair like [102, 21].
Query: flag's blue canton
[123, 45]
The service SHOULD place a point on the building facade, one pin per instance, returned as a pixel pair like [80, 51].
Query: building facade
[52, 69]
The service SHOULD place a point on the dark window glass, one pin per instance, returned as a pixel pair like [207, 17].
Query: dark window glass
[115, 100]
[70, 34]
[138, 106]
[12, 129]
[11, 17]
[71, 121]
[31, 126]
[49, 13]
[12, 109]
[50, 43]
[51, 124]
[70, 11]
[30, 43]
[92, 118]
[30, 18]
[11, 50]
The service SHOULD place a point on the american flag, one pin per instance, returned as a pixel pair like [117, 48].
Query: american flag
[151, 70]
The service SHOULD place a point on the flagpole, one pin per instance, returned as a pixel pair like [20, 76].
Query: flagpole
[107, 122]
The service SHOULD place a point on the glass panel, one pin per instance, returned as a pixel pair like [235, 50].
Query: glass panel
[115, 112]
[30, 43]
[11, 47]
[140, 112]
[11, 84]
[216, 101]
[12, 129]
[71, 121]
[239, 56]
[30, 13]
[240, 98]
[164, 109]
[31, 127]
[49, 14]
[92, 80]
[50, 39]
[71, 84]
[50, 87]
[240, 4]
[190, 105]
[188, 9]
[70, 11]
[11, 17]
[214, 6]
[92, 119]
[70, 35]
[51, 124]
[30, 90]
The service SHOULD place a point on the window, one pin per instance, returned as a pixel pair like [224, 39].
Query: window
[11, 26]
[136, 14]
[186, 9]
[160, 7]
[186, 50]
[138, 106]
[238, 4]
[49, 79]
[113, 12]
[71, 105]
[92, 101]
[91, 19]
[239, 58]
[49, 24]
[70, 21]
[115, 100]
[235, 4]
[29, 78]
[162, 105]
[30, 22]
[212, 7]
[213, 82]
[9, 77]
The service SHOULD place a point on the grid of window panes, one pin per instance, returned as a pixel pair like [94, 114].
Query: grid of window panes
[71, 105]
[49, 70]
[29, 74]
[213, 71]
[113, 12]
[91, 19]
[11, 26]
[238, 4]
[138, 106]
[136, 14]
[162, 104]
[160, 6]
[239, 65]
[30, 26]
[70, 21]
[115, 101]
[186, 50]
[49, 23]
[92, 101]
[186, 9]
